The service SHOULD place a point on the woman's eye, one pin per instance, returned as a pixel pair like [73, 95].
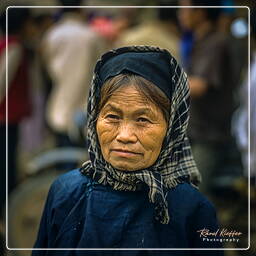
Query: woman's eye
[143, 120]
[111, 116]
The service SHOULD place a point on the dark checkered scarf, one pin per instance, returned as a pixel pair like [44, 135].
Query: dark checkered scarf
[175, 160]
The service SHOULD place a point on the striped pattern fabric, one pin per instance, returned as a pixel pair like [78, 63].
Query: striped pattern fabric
[175, 160]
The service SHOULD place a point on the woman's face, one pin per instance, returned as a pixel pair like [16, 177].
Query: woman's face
[130, 130]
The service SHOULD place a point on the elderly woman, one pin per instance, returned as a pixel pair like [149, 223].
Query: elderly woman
[137, 190]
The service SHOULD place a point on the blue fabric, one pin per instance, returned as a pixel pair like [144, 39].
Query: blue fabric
[186, 45]
[80, 213]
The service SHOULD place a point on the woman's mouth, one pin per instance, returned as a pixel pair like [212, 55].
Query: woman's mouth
[124, 153]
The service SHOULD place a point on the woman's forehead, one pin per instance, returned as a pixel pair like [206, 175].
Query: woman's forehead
[129, 95]
[129, 98]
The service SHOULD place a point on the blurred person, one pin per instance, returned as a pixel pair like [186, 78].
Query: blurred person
[70, 49]
[44, 22]
[213, 80]
[223, 22]
[112, 25]
[240, 124]
[160, 31]
[186, 44]
[138, 188]
[226, 16]
[246, 110]
[33, 130]
[232, 22]
[18, 88]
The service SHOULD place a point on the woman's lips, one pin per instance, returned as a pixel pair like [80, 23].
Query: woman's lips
[124, 153]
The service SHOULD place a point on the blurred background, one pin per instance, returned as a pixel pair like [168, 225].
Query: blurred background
[51, 56]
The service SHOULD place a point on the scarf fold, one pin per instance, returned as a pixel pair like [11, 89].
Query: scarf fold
[175, 160]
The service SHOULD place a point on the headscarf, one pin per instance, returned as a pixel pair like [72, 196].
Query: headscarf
[175, 160]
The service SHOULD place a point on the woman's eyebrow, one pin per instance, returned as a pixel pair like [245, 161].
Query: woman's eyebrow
[142, 111]
[111, 107]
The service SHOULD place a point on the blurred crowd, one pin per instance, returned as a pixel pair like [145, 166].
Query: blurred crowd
[51, 55]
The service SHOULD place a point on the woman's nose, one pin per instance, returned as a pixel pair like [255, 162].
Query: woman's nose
[126, 134]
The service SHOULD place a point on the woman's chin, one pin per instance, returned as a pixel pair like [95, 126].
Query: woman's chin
[125, 167]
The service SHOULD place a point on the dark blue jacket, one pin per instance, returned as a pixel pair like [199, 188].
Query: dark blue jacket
[80, 213]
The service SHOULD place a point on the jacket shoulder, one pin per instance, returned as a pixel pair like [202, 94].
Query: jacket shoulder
[70, 184]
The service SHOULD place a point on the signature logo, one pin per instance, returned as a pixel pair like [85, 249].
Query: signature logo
[220, 235]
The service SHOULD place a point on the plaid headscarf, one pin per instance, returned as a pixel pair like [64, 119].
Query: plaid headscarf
[175, 160]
